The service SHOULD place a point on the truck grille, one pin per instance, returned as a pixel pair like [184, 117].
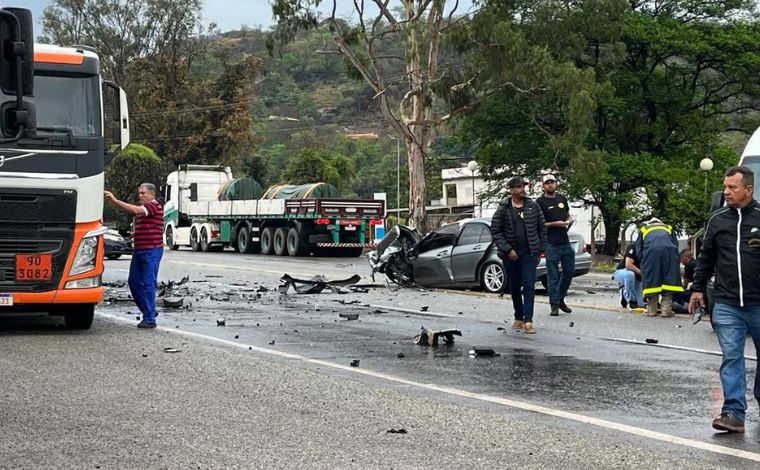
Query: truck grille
[35, 221]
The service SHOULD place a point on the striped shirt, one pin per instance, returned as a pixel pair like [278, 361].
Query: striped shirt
[149, 228]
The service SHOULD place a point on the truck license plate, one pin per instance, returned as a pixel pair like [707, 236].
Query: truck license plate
[34, 267]
[6, 300]
[350, 228]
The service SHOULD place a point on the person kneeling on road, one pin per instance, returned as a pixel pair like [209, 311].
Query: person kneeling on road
[657, 249]
[628, 275]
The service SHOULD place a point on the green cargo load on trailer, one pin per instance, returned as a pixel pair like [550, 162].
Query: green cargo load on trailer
[303, 191]
[241, 189]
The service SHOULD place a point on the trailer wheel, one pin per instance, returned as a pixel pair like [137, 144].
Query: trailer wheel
[79, 317]
[170, 239]
[295, 243]
[244, 243]
[204, 240]
[267, 236]
[194, 244]
[280, 241]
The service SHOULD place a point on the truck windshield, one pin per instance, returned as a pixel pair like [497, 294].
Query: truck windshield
[67, 103]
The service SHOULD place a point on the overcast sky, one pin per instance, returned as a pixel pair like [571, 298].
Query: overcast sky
[228, 14]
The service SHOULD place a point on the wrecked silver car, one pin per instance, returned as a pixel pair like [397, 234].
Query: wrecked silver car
[455, 255]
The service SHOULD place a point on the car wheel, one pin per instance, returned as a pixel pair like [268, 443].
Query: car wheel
[79, 317]
[492, 277]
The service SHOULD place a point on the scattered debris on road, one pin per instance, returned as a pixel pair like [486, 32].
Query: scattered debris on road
[349, 316]
[316, 284]
[173, 302]
[424, 308]
[400, 355]
[396, 431]
[355, 363]
[271, 343]
[651, 341]
[429, 337]
[572, 324]
[221, 322]
[171, 350]
[483, 352]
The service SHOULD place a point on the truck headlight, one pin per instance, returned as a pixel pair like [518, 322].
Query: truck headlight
[85, 283]
[86, 256]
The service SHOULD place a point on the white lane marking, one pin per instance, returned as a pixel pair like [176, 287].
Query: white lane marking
[415, 312]
[602, 423]
[673, 346]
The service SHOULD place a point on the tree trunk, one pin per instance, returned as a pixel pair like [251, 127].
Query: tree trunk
[611, 233]
[417, 187]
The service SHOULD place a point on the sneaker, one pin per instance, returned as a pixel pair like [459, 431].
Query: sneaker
[554, 312]
[623, 302]
[563, 306]
[728, 422]
[518, 325]
[143, 324]
[531, 330]
[633, 305]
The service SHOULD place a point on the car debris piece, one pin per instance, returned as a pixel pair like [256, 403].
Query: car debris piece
[171, 350]
[500, 328]
[400, 355]
[430, 338]
[359, 290]
[221, 322]
[572, 324]
[174, 302]
[396, 431]
[219, 298]
[349, 316]
[424, 308]
[651, 341]
[316, 284]
[483, 352]
[237, 336]
[355, 363]
[271, 342]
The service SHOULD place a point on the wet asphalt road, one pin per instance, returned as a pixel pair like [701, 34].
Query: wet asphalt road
[571, 365]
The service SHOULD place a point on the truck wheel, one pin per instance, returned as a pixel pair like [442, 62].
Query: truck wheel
[492, 277]
[204, 241]
[267, 236]
[295, 243]
[79, 317]
[280, 241]
[170, 239]
[194, 244]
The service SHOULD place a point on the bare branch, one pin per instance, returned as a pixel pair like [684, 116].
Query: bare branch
[323, 52]
[383, 6]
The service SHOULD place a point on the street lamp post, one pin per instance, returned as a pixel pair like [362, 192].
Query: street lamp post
[472, 165]
[706, 165]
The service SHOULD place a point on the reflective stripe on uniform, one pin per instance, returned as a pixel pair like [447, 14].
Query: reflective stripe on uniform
[646, 231]
[664, 287]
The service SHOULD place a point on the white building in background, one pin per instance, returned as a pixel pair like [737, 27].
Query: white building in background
[463, 189]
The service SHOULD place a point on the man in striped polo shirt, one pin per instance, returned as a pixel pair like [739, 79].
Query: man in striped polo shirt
[147, 252]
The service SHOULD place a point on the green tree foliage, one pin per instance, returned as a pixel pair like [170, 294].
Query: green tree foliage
[312, 166]
[152, 48]
[671, 78]
[137, 164]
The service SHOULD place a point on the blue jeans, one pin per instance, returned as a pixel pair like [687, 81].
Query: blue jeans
[143, 274]
[731, 325]
[522, 284]
[559, 282]
[632, 287]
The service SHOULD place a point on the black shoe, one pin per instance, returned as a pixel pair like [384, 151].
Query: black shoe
[623, 302]
[143, 324]
[633, 304]
[728, 422]
[563, 306]
[554, 312]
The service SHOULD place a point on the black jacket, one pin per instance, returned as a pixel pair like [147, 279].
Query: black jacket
[503, 231]
[736, 263]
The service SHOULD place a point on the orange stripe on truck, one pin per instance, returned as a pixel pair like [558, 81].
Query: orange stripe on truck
[58, 58]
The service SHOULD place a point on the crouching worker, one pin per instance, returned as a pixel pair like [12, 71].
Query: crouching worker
[657, 248]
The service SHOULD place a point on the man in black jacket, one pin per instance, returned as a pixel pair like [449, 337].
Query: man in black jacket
[731, 250]
[520, 236]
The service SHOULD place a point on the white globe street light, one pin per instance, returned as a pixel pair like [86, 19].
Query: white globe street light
[472, 165]
[706, 164]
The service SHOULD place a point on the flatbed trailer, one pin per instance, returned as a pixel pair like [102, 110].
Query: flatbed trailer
[194, 217]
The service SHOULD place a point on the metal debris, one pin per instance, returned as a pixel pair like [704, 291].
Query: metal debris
[355, 363]
[171, 350]
[221, 322]
[429, 337]
[349, 316]
[174, 302]
[396, 431]
[316, 284]
[483, 352]
[651, 341]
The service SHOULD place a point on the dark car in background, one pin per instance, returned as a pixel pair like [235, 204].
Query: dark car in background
[462, 255]
[116, 245]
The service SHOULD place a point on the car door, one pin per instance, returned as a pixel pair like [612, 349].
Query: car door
[432, 266]
[469, 250]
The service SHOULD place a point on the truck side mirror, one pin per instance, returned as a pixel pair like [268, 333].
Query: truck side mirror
[16, 51]
[17, 73]
[115, 119]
